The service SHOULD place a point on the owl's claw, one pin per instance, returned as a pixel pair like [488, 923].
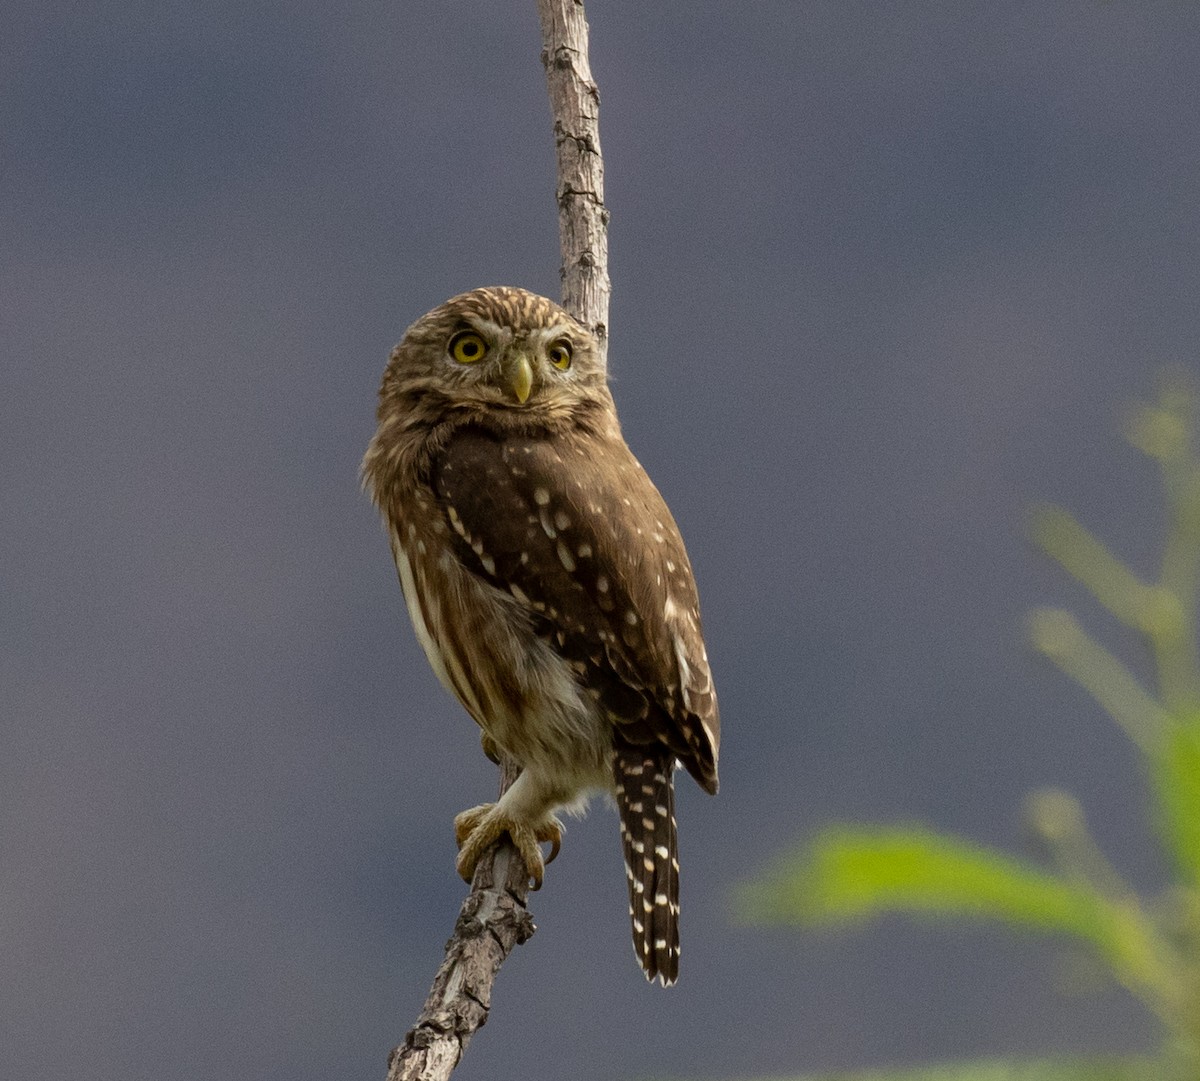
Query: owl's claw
[479, 828]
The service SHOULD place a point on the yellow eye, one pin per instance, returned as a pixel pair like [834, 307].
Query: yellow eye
[468, 347]
[560, 354]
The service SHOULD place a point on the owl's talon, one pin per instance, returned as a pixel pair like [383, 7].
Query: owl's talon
[466, 823]
[479, 828]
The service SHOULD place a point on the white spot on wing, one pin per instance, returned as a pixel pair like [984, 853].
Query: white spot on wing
[685, 670]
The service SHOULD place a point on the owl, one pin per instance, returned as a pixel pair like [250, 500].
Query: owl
[548, 585]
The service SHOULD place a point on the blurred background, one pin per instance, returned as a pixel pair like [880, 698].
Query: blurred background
[884, 276]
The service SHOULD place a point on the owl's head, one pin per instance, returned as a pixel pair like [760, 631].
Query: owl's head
[496, 348]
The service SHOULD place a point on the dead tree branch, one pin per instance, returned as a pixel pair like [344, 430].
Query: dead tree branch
[582, 215]
[494, 918]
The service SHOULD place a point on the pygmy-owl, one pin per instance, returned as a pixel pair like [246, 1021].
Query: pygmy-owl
[548, 585]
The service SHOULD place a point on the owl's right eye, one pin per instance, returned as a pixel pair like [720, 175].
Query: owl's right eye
[467, 347]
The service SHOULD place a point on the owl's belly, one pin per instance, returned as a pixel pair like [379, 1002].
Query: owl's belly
[521, 692]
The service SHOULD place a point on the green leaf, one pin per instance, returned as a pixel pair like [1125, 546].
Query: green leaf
[1057, 1069]
[854, 873]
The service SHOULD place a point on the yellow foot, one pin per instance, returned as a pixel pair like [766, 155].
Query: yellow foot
[479, 828]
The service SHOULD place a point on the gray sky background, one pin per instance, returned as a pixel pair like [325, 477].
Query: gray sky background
[885, 275]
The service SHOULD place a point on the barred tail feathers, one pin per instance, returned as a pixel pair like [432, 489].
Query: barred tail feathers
[646, 804]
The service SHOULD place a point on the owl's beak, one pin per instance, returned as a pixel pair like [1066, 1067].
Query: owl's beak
[520, 377]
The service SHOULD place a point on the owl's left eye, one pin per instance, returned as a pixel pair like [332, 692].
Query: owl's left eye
[560, 354]
[467, 347]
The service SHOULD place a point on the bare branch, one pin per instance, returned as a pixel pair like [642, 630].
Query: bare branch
[494, 918]
[582, 215]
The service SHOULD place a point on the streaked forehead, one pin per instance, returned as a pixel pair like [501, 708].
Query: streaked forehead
[505, 307]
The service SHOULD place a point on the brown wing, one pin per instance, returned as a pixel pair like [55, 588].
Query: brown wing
[573, 528]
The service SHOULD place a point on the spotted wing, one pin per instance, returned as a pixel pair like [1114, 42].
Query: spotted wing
[572, 527]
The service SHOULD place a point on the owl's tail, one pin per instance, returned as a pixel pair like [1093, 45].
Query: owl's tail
[646, 803]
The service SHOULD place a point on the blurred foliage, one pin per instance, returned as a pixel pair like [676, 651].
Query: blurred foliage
[1058, 1069]
[1150, 945]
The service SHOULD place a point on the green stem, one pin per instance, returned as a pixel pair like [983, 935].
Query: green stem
[1059, 636]
[1173, 637]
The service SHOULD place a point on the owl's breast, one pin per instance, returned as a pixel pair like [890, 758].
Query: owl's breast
[482, 646]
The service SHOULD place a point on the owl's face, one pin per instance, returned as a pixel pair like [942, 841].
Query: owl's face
[498, 347]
